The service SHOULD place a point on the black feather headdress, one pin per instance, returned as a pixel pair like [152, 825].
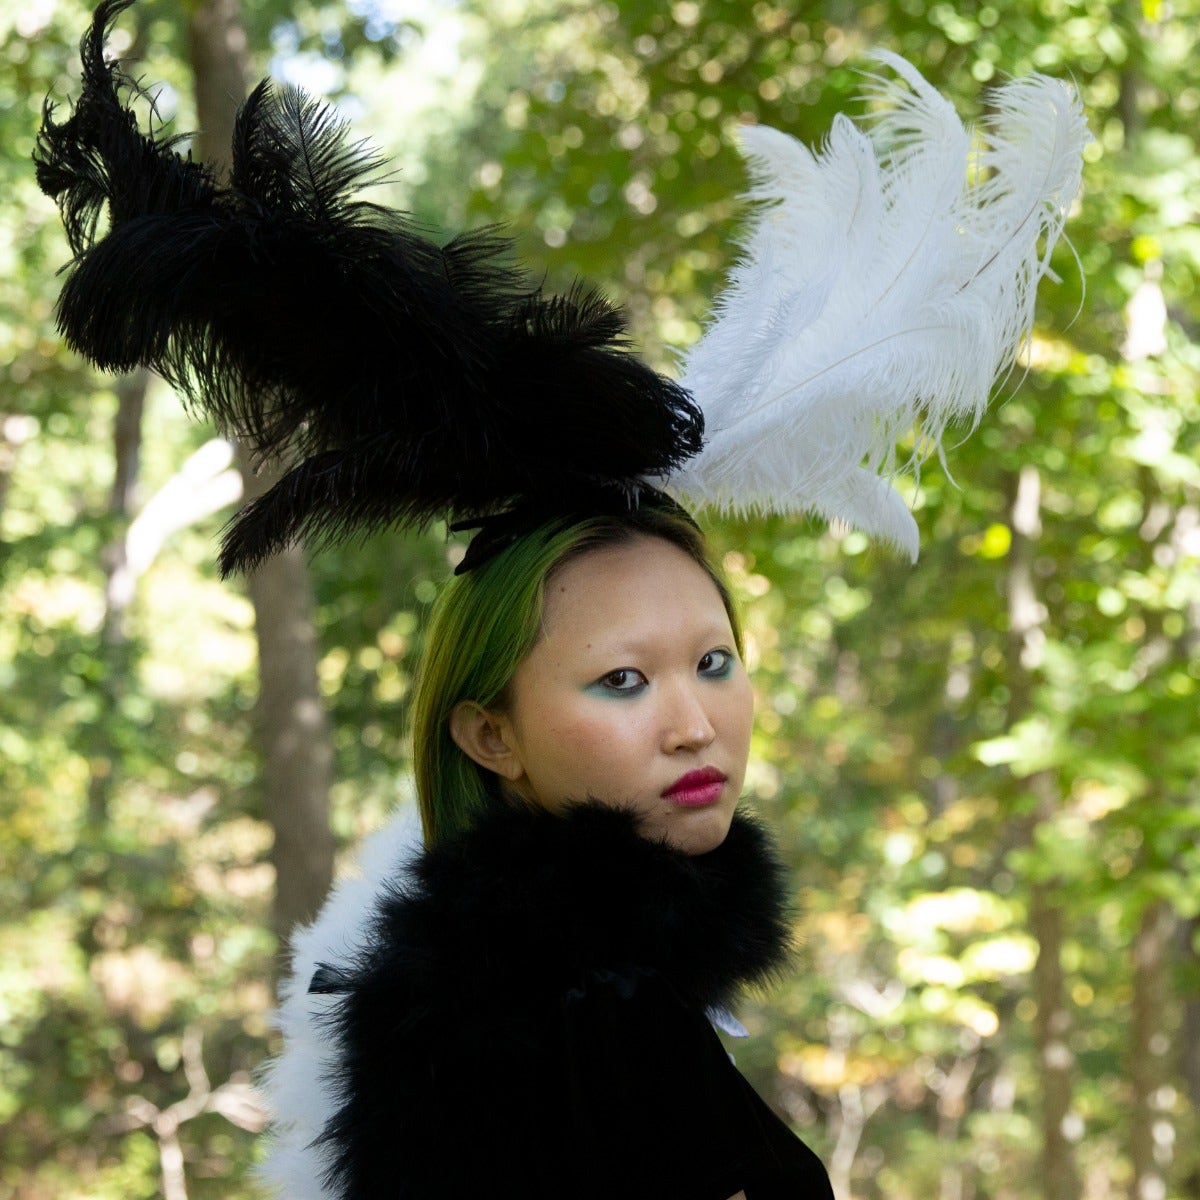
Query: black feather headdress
[396, 379]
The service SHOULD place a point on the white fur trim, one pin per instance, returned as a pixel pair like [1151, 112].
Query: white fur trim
[293, 1084]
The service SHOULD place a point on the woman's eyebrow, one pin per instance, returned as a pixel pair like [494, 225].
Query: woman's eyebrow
[647, 646]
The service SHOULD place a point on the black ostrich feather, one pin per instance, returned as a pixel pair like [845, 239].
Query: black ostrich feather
[291, 154]
[397, 379]
[98, 159]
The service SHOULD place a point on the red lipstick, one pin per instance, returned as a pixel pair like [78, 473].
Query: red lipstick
[697, 788]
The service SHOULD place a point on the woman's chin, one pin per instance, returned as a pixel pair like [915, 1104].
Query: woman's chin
[693, 830]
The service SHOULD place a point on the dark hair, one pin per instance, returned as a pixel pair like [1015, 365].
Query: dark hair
[484, 624]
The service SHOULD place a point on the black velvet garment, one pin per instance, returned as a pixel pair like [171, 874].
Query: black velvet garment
[530, 1020]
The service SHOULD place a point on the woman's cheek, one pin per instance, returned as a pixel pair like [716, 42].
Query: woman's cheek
[596, 750]
[593, 741]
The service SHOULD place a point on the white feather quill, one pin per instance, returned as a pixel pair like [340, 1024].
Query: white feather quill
[885, 283]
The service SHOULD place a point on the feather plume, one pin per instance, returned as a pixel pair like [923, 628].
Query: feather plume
[398, 380]
[886, 282]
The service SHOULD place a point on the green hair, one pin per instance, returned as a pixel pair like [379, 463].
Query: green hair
[483, 625]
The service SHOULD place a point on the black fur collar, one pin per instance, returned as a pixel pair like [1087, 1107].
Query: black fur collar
[525, 896]
[485, 957]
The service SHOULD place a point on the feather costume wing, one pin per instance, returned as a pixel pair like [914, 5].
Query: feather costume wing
[296, 1084]
[398, 379]
[886, 282]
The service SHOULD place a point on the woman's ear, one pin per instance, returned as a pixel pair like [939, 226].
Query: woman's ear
[487, 738]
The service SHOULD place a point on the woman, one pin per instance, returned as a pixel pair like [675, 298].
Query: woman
[526, 1006]
[530, 1012]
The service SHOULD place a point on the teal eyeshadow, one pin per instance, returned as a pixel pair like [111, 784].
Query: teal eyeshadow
[723, 672]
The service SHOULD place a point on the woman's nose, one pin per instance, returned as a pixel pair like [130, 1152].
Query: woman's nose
[686, 725]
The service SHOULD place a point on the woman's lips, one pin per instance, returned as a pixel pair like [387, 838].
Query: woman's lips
[697, 788]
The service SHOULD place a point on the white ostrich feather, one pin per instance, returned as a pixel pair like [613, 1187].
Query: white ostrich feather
[294, 1084]
[886, 282]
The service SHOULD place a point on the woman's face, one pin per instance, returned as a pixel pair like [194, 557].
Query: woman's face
[634, 695]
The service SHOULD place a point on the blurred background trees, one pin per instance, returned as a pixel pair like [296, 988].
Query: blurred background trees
[984, 767]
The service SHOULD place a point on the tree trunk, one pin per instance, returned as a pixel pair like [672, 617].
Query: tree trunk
[118, 586]
[954, 1097]
[292, 723]
[1056, 1061]
[1149, 1045]
[1055, 1058]
[220, 63]
[294, 729]
[1189, 956]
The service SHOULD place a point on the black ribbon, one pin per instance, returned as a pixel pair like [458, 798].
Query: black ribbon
[495, 532]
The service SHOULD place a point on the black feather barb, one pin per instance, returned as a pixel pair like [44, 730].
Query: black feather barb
[398, 380]
[98, 158]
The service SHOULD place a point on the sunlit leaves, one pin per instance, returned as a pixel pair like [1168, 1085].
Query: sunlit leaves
[889, 750]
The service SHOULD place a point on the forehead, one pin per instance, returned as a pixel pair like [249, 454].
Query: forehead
[643, 589]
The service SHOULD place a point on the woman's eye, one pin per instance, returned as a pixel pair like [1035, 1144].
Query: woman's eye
[716, 664]
[626, 679]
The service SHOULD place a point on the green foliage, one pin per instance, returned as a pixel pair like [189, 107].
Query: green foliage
[905, 740]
